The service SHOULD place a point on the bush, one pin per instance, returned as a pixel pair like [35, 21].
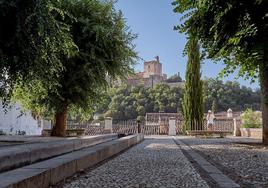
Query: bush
[251, 119]
[140, 118]
[101, 117]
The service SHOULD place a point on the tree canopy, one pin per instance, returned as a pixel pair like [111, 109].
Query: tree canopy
[235, 32]
[33, 36]
[125, 102]
[103, 49]
[229, 95]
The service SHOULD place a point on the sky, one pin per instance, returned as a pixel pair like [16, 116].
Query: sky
[153, 21]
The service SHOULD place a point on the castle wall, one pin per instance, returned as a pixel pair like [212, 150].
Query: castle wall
[151, 75]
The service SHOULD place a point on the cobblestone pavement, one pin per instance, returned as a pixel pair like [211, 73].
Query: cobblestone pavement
[246, 163]
[156, 162]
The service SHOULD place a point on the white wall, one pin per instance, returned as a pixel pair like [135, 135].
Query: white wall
[12, 121]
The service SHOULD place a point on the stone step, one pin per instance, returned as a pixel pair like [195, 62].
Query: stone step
[51, 171]
[21, 155]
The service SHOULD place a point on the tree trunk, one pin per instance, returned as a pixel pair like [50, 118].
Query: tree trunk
[60, 126]
[264, 98]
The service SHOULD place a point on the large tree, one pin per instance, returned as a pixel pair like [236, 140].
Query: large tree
[193, 105]
[103, 49]
[32, 36]
[235, 31]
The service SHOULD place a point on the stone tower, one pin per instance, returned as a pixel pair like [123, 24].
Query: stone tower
[152, 68]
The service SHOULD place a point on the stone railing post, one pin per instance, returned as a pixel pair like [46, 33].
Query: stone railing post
[108, 124]
[237, 131]
[172, 126]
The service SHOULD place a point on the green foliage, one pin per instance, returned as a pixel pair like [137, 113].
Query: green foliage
[101, 118]
[251, 119]
[103, 48]
[235, 31]
[33, 36]
[214, 106]
[229, 95]
[193, 104]
[132, 102]
[129, 102]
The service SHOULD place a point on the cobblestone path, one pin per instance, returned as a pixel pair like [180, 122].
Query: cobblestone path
[156, 162]
[243, 159]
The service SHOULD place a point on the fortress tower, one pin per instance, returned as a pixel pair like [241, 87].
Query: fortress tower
[152, 68]
[151, 75]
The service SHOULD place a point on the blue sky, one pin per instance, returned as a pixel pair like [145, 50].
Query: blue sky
[153, 21]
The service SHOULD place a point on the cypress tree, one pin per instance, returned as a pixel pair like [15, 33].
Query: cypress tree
[193, 107]
[214, 106]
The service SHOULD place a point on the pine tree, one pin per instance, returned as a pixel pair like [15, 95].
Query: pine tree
[193, 108]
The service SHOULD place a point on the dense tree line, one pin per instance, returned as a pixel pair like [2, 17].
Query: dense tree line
[127, 102]
[230, 95]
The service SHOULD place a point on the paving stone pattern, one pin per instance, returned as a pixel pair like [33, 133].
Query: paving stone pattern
[221, 179]
[246, 163]
[156, 162]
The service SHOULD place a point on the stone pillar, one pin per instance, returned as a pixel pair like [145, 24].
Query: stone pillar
[229, 113]
[237, 131]
[108, 124]
[172, 127]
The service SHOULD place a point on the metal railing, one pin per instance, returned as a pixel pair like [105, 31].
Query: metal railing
[153, 127]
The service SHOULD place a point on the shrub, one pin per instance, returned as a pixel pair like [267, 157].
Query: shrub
[251, 119]
[101, 117]
[140, 118]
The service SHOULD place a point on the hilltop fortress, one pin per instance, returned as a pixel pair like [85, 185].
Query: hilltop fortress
[151, 75]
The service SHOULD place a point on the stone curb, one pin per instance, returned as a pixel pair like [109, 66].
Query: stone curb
[52, 171]
[221, 179]
[22, 155]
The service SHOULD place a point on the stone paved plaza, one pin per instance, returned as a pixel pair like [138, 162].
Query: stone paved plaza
[160, 162]
[156, 162]
[244, 159]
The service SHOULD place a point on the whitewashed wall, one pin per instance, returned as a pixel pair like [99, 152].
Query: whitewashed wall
[12, 122]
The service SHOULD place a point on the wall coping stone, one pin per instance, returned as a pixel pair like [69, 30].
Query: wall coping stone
[51, 171]
[21, 155]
